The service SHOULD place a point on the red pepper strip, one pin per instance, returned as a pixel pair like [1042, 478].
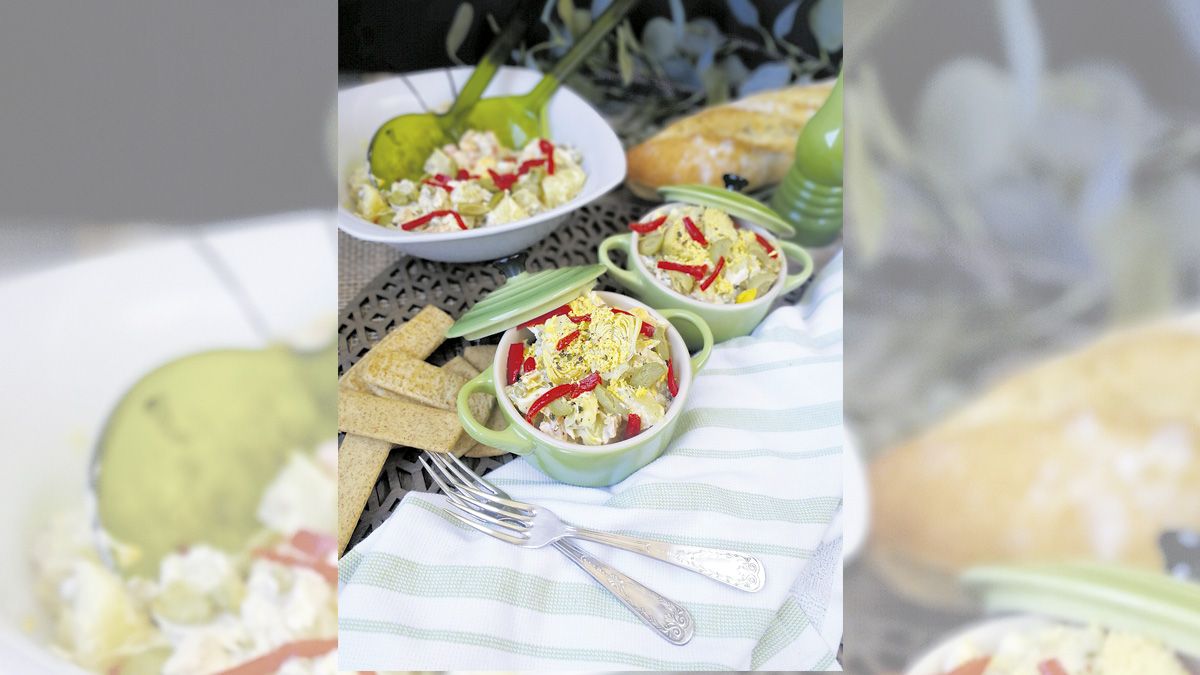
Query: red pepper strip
[713, 277]
[1051, 667]
[274, 660]
[516, 355]
[567, 340]
[765, 244]
[586, 384]
[634, 427]
[551, 395]
[447, 188]
[645, 228]
[546, 317]
[529, 365]
[694, 231]
[647, 329]
[313, 544]
[529, 164]
[672, 385]
[463, 174]
[319, 566]
[580, 319]
[697, 271]
[619, 311]
[503, 181]
[414, 224]
[547, 149]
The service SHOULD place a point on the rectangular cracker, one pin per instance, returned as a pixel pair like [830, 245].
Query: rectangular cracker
[495, 422]
[480, 356]
[461, 367]
[481, 450]
[417, 338]
[397, 421]
[481, 404]
[393, 374]
[360, 459]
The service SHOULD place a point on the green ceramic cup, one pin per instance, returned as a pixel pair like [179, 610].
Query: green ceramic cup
[587, 465]
[725, 321]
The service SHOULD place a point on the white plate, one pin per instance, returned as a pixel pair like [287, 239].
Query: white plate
[78, 336]
[361, 111]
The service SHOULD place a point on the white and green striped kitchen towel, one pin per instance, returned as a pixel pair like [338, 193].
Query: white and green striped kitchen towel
[756, 466]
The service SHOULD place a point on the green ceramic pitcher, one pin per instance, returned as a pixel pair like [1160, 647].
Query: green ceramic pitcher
[810, 197]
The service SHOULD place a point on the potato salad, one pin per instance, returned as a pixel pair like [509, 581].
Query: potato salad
[271, 608]
[474, 183]
[701, 253]
[593, 374]
[1066, 650]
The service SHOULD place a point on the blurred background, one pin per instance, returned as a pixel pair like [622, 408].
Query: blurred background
[140, 116]
[166, 188]
[1023, 179]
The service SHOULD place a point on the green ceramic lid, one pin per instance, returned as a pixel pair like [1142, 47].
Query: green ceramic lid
[524, 297]
[735, 204]
[1116, 597]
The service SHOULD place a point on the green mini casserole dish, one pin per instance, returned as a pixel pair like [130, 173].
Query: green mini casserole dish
[727, 319]
[527, 297]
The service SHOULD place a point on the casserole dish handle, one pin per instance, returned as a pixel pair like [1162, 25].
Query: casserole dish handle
[505, 439]
[701, 325]
[621, 242]
[797, 254]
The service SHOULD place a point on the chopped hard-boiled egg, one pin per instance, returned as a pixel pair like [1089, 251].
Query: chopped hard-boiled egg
[600, 374]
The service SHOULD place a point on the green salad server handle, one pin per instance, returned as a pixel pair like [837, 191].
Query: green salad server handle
[400, 146]
[810, 197]
[516, 120]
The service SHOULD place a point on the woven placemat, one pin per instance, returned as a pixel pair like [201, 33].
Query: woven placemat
[407, 284]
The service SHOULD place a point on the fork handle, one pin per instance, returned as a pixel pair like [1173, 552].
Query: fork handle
[742, 571]
[669, 619]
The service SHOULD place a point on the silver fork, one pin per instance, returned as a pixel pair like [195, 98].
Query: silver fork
[535, 526]
[668, 618]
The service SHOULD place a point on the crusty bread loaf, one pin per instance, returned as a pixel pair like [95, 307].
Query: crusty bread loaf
[1091, 455]
[754, 137]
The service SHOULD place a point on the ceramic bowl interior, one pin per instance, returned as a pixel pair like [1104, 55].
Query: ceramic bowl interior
[683, 370]
[766, 299]
[361, 111]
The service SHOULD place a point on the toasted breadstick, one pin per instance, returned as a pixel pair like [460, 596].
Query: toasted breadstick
[360, 459]
[399, 422]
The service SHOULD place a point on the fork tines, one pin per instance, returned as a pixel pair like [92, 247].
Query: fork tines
[475, 503]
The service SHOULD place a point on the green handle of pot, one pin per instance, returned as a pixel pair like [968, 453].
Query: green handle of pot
[507, 439]
[483, 73]
[797, 253]
[621, 242]
[606, 22]
[701, 357]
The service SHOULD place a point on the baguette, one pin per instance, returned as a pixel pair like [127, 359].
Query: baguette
[754, 137]
[1088, 456]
